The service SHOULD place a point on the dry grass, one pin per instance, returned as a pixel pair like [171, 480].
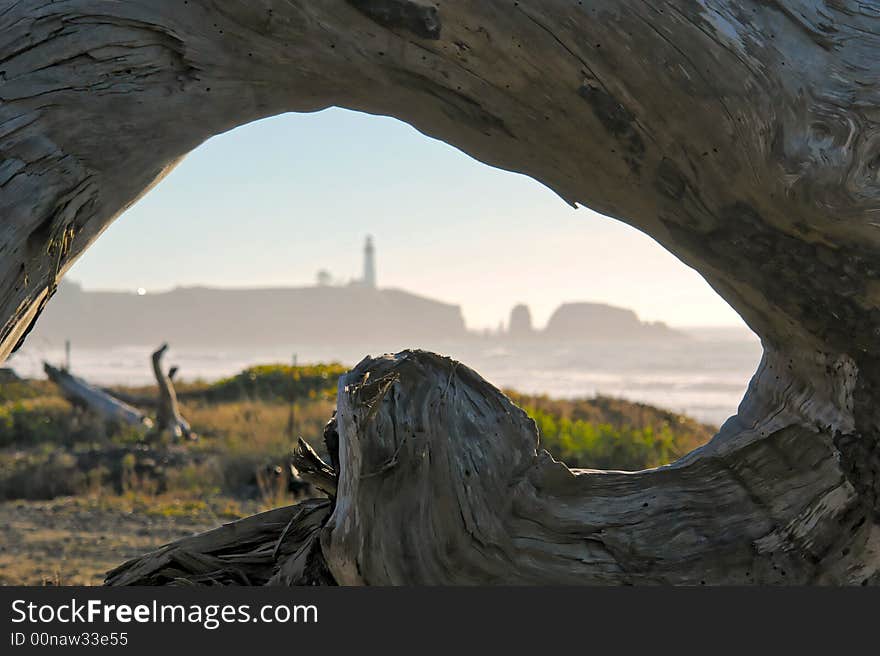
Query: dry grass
[248, 440]
[121, 507]
[258, 425]
[75, 540]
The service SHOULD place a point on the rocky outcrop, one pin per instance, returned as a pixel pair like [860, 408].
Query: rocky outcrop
[742, 136]
[586, 321]
[520, 323]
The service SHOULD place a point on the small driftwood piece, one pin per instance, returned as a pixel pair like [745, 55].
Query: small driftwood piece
[308, 466]
[96, 400]
[168, 416]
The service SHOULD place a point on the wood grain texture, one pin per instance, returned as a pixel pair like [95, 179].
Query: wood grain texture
[743, 136]
[443, 481]
[271, 548]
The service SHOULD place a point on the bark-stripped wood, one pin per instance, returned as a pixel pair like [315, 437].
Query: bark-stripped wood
[168, 416]
[307, 465]
[96, 400]
[743, 136]
[431, 455]
[274, 547]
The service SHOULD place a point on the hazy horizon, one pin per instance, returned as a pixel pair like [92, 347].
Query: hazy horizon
[537, 325]
[272, 203]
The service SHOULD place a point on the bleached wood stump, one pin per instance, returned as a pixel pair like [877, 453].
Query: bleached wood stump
[168, 415]
[743, 136]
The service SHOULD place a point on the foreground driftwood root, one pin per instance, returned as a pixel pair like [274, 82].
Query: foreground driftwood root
[742, 135]
[252, 551]
[442, 481]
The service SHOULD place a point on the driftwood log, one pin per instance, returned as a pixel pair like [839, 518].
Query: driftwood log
[168, 416]
[743, 136]
[442, 481]
[96, 400]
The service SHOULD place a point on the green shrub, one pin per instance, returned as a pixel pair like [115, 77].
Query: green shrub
[277, 382]
[35, 421]
[598, 444]
[18, 390]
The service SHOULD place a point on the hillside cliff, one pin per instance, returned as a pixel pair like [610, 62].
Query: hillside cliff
[276, 316]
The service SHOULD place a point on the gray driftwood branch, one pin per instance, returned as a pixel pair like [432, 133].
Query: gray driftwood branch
[96, 400]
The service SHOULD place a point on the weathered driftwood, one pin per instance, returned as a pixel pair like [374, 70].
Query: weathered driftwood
[442, 481]
[139, 400]
[743, 136]
[275, 547]
[168, 416]
[96, 400]
[307, 466]
[436, 462]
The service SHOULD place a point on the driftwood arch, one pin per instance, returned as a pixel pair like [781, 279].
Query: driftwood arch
[743, 136]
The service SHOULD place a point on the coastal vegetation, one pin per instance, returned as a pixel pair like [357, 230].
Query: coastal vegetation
[63, 460]
[248, 424]
[609, 433]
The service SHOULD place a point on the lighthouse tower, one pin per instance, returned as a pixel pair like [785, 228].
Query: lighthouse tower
[369, 279]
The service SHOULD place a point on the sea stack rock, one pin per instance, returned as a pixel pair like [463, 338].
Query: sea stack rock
[586, 321]
[521, 322]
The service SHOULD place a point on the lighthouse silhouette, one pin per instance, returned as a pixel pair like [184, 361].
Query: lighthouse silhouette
[369, 279]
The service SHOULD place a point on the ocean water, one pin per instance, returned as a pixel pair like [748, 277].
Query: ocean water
[704, 376]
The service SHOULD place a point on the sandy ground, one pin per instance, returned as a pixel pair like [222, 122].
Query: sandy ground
[74, 542]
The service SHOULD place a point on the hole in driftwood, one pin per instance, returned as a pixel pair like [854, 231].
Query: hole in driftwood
[304, 189]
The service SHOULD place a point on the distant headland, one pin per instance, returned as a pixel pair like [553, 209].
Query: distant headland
[326, 313]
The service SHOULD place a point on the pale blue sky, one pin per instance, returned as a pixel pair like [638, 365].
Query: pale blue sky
[271, 203]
